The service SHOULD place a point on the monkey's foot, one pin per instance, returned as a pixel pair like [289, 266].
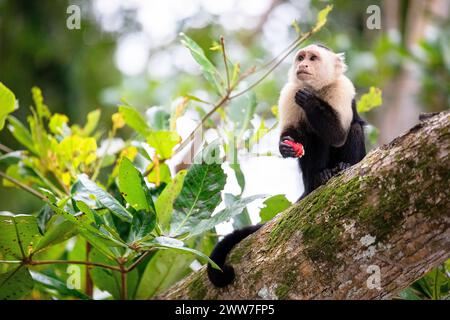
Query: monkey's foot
[340, 167]
[323, 176]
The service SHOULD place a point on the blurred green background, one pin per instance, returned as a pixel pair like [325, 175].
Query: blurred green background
[131, 50]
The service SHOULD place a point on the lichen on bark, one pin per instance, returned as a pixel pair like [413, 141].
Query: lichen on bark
[392, 210]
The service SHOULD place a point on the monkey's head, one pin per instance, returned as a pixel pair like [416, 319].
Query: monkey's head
[316, 66]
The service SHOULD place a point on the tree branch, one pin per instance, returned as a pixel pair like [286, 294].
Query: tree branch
[387, 215]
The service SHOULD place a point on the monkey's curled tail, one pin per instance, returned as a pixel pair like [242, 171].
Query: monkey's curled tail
[219, 255]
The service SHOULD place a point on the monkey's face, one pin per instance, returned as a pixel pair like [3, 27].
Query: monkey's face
[316, 67]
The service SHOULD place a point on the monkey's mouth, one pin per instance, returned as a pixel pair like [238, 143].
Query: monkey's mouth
[303, 72]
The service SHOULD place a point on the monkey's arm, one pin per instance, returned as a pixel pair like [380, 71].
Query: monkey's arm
[323, 119]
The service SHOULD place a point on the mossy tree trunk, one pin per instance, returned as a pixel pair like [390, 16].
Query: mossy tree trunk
[366, 234]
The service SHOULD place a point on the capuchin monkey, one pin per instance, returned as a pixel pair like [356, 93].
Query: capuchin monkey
[319, 125]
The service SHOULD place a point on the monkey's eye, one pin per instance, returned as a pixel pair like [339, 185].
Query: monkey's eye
[300, 58]
[313, 58]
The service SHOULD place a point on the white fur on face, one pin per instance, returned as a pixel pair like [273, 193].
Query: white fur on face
[325, 69]
[327, 74]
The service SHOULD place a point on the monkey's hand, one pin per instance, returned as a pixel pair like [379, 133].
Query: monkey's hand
[306, 100]
[290, 148]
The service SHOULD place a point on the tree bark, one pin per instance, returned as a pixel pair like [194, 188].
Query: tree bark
[387, 216]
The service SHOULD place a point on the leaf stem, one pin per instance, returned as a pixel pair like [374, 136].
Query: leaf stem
[23, 186]
[123, 277]
[87, 263]
[5, 148]
[139, 260]
[222, 43]
[284, 54]
[299, 41]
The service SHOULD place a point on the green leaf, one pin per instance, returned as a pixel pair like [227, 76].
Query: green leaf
[370, 100]
[91, 123]
[409, 294]
[110, 280]
[296, 27]
[163, 142]
[105, 199]
[239, 175]
[164, 269]
[226, 214]
[241, 220]
[7, 103]
[194, 98]
[21, 133]
[92, 215]
[178, 246]
[58, 230]
[198, 198]
[53, 283]
[164, 203]
[273, 206]
[15, 284]
[102, 245]
[79, 253]
[132, 187]
[322, 18]
[19, 235]
[241, 112]
[164, 174]
[105, 279]
[142, 225]
[235, 74]
[58, 124]
[41, 108]
[208, 69]
[135, 120]
[159, 118]
[11, 158]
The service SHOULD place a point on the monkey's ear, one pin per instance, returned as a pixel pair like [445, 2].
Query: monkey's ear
[340, 62]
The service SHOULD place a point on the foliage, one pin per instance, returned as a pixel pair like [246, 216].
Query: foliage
[117, 218]
[122, 211]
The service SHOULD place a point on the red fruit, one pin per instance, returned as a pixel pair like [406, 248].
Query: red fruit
[298, 148]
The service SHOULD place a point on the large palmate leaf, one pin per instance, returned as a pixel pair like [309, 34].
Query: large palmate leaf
[19, 235]
[15, 284]
[164, 203]
[7, 103]
[105, 199]
[198, 198]
[164, 269]
[134, 120]
[226, 214]
[133, 188]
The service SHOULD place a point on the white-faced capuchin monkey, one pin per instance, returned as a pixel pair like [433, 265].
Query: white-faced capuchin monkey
[319, 125]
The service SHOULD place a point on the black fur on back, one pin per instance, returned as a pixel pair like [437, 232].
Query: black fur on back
[219, 255]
